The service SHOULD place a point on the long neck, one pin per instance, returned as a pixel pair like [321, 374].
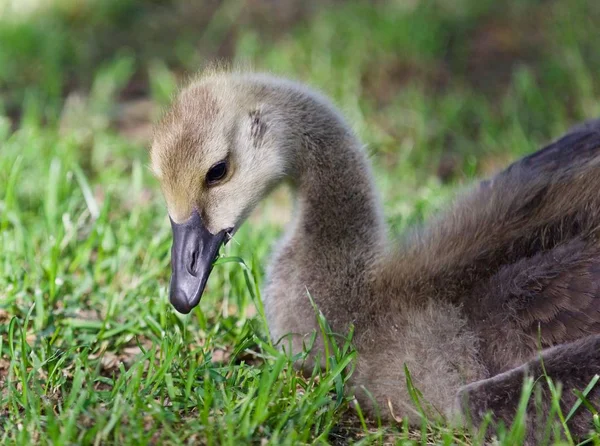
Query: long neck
[338, 231]
[338, 209]
[337, 206]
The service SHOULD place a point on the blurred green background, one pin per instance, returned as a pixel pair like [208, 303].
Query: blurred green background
[439, 88]
[440, 91]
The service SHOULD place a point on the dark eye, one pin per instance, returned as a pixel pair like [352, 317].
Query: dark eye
[216, 173]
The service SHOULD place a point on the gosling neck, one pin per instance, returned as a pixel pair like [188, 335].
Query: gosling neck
[336, 200]
[337, 233]
[338, 210]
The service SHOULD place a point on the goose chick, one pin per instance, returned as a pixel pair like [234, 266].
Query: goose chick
[459, 303]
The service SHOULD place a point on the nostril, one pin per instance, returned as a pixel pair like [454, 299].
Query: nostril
[192, 265]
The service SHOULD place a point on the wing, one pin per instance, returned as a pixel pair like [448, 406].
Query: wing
[558, 291]
[552, 297]
[542, 200]
[537, 204]
[576, 148]
[563, 307]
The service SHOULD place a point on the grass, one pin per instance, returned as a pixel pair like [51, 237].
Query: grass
[90, 350]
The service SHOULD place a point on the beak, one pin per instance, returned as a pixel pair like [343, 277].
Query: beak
[192, 254]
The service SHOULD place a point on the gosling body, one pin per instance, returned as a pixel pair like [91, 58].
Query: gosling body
[465, 302]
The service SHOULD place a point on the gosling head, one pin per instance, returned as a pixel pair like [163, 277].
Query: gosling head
[218, 150]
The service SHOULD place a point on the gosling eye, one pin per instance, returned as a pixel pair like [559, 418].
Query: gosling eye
[216, 173]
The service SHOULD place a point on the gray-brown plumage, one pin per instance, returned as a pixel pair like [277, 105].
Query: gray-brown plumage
[463, 301]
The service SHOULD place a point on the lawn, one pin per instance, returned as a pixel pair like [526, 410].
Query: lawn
[91, 352]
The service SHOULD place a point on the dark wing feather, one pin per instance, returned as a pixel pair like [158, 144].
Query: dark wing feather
[531, 253]
[563, 284]
[573, 298]
[580, 145]
[550, 298]
[556, 292]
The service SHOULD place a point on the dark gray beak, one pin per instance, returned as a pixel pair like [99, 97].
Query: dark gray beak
[192, 255]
